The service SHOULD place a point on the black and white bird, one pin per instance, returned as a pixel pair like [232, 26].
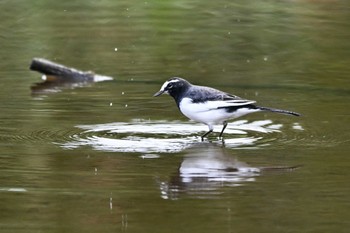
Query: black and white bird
[210, 106]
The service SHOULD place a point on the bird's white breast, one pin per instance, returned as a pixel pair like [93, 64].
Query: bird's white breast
[209, 113]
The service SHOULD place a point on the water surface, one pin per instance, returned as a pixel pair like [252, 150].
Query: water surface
[107, 156]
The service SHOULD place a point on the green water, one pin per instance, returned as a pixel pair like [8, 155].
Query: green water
[109, 157]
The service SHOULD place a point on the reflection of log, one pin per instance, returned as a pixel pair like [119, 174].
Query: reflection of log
[51, 69]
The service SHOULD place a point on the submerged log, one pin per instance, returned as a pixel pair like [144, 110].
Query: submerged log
[54, 70]
[57, 76]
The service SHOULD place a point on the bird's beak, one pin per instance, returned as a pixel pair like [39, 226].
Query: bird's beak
[158, 93]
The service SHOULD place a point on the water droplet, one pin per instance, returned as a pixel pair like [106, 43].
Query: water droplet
[150, 156]
[17, 190]
[110, 203]
[297, 126]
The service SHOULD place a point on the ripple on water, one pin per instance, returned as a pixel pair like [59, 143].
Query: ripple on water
[205, 167]
[163, 136]
[147, 137]
[39, 135]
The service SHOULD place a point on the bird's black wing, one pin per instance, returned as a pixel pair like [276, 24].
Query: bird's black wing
[215, 98]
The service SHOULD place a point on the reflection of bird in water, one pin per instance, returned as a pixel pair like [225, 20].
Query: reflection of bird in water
[204, 169]
[208, 167]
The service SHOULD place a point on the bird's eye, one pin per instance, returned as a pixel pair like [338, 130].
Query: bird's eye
[170, 85]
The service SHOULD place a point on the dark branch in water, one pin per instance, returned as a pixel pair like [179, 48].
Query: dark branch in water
[52, 69]
[57, 76]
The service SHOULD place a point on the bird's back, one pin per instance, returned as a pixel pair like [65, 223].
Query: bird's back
[201, 94]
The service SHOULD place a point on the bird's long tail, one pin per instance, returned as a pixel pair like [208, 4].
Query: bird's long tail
[279, 111]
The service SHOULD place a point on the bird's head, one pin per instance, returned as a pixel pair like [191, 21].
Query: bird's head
[173, 87]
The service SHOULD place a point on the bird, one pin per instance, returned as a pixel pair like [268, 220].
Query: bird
[210, 106]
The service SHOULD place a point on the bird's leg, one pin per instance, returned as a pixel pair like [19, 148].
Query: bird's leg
[223, 128]
[206, 134]
[223, 143]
